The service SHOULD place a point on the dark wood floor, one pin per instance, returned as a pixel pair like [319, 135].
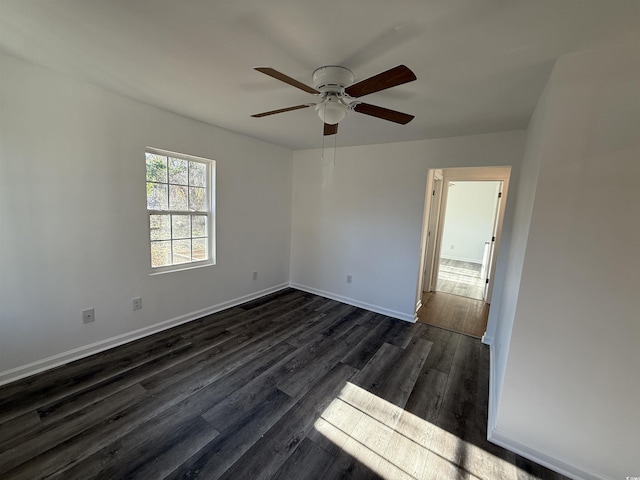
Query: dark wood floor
[290, 386]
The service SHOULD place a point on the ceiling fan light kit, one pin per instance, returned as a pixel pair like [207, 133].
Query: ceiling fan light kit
[331, 110]
[337, 94]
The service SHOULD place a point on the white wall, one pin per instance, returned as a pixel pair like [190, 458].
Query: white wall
[469, 219]
[363, 215]
[73, 231]
[512, 251]
[570, 393]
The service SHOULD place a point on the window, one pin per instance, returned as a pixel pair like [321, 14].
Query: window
[180, 210]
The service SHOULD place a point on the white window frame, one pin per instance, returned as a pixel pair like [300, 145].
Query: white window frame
[209, 213]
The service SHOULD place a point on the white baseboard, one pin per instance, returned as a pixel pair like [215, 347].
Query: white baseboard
[462, 259]
[357, 303]
[53, 361]
[487, 340]
[493, 394]
[565, 468]
[499, 438]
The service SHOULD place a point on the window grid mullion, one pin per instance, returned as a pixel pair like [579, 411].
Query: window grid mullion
[188, 189]
[191, 234]
[169, 195]
[178, 212]
[171, 235]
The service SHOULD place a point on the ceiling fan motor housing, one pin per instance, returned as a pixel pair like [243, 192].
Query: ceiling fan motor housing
[332, 79]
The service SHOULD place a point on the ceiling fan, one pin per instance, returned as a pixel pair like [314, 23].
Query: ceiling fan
[337, 94]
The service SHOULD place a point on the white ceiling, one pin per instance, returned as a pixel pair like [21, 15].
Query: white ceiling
[481, 64]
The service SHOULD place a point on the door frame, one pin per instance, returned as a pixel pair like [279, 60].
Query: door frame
[450, 175]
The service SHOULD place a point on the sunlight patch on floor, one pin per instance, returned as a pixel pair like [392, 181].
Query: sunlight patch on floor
[397, 445]
[459, 275]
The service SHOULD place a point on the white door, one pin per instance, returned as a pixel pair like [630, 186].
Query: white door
[428, 283]
[490, 267]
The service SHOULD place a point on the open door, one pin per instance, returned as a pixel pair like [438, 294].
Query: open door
[490, 263]
[429, 281]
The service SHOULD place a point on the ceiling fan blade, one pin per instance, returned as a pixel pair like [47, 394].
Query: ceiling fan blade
[384, 113]
[330, 129]
[391, 78]
[286, 79]
[282, 110]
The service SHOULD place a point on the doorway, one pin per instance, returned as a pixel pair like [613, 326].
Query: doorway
[462, 224]
[468, 227]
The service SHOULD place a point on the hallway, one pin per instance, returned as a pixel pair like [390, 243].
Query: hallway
[453, 312]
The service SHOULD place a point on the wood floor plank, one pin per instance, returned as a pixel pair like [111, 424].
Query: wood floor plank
[307, 461]
[274, 313]
[426, 397]
[63, 381]
[404, 458]
[284, 294]
[118, 454]
[270, 452]
[337, 421]
[454, 312]
[298, 371]
[219, 455]
[444, 348]
[401, 334]
[392, 372]
[186, 399]
[221, 354]
[337, 313]
[22, 450]
[460, 394]
[528, 470]
[96, 392]
[299, 383]
[369, 345]
[355, 462]
[159, 455]
[236, 350]
[26, 422]
[291, 385]
[343, 324]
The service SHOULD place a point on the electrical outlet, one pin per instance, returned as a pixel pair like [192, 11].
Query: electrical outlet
[137, 303]
[255, 275]
[349, 278]
[88, 316]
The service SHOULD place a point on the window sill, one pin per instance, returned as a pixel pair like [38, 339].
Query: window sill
[180, 268]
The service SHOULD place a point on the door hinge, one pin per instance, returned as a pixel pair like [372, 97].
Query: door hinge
[433, 193]
[487, 281]
[499, 194]
[493, 239]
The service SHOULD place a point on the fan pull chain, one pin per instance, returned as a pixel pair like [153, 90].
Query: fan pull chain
[335, 150]
[323, 137]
